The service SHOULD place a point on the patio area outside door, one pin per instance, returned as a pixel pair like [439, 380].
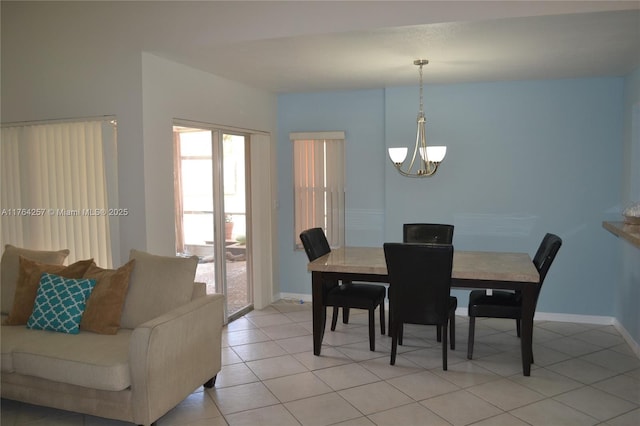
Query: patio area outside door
[211, 176]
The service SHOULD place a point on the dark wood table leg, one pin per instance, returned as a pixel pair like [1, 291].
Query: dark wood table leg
[319, 311]
[526, 338]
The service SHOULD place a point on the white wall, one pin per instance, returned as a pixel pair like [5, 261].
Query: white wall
[174, 91]
[62, 60]
[49, 72]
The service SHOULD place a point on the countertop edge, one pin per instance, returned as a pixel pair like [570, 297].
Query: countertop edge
[630, 233]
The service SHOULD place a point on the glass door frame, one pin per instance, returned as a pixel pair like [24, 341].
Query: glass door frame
[217, 159]
[219, 220]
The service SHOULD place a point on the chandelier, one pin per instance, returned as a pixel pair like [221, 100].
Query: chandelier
[429, 157]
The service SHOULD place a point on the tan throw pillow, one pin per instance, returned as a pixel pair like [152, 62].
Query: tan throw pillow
[104, 307]
[10, 266]
[29, 280]
[158, 284]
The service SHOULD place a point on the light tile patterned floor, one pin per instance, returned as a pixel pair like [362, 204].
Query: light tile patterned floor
[584, 375]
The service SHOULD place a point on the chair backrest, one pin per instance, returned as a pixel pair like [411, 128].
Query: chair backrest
[315, 243]
[546, 253]
[419, 281]
[434, 233]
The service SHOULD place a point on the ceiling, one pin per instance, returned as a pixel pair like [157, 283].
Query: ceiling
[306, 46]
[469, 42]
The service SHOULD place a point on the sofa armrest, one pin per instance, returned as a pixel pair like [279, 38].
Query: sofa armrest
[199, 290]
[171, 355]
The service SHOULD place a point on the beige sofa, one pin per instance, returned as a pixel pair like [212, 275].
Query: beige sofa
[168, 343]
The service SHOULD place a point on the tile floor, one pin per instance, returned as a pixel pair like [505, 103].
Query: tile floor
[584, 375]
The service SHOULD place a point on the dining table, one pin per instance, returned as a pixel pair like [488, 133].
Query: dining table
[471, 270]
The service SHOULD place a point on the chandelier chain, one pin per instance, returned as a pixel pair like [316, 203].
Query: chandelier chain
[421, 104]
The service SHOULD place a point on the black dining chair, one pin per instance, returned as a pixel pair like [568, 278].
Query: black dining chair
[345, 295]
[508, 304]
[435, 233]
[419, 286]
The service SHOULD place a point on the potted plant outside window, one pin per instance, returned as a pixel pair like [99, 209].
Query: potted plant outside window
[228, 226]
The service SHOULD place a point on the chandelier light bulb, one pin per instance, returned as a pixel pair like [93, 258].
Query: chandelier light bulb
[398, 155]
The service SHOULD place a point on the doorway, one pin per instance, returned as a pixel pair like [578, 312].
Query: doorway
[211, 182]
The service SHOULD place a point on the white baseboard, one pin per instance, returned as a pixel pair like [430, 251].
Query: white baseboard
[591, 319]
[540, 316]
[635, 346]
[295, 297]
[548, 316]
[583, 319]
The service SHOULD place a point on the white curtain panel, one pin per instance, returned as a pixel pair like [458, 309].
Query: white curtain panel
[335, 183]
[54, 188]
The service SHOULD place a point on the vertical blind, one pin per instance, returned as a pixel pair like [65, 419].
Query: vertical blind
[319, 184]
[54, 189]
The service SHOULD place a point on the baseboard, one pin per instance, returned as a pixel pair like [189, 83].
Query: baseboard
[635, 346]
[295, 297]
[583, 319]
[540, 316]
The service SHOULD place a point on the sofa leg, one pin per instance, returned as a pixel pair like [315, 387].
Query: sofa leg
[211, 382]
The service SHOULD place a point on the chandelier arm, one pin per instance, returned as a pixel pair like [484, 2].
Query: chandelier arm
[433, 167]
[415, 149]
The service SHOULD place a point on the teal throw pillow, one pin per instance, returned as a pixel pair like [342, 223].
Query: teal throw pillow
[60, 303]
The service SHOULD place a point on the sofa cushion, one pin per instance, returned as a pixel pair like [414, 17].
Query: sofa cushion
[10, 267]
[60, 303]
[104, 307]
[29, 281]
[158, 284]
[12, 337]
[87, 359]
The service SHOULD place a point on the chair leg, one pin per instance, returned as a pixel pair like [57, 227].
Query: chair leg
[334, 318]
[390, 318]
[393, 331]
[400, 333]
[439, 334]
[211, 382]
[345, 315]
[372, 329]
[382, 323]
[452, 331]
[518, 333]
[472, 329]
[444, 347]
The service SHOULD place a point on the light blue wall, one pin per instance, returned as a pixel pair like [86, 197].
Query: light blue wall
[524, 158]
[627, 301]
[360, 115]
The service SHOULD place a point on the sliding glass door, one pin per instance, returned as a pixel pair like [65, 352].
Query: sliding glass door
[211, 197]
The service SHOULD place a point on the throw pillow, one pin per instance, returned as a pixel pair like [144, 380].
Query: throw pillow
[158, 284]
[60, 303]
[29, 280]
[104, 307]
[10, 266]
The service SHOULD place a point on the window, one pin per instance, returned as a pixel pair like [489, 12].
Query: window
[319, 184]
[58, 179]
